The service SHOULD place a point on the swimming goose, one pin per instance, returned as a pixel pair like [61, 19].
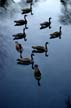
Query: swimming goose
[26, 61]
[20, 35]
[29, 1]
[46, 24]
[56, 34]
[21, 22]
[27, 10]
[19, 48]
[63, 2]
[41, 48]
[37, 73]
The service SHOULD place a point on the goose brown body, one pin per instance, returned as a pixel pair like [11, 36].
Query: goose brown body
[20, 35]
[45, 24]
[19, 48]
[21, 22]
[26, 61]
[37, 73]
[41, 48]
[27, 10]
[56, 34]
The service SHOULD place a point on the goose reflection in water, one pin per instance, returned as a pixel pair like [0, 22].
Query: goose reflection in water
[26, 61]
[41, 49]
[45, 24]
[56, 34]
[27, 10]
[37, 74]
[68, 102]
[20, 36]
[21, 22]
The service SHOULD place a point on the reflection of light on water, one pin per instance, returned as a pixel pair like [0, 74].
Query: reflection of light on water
[17, 0]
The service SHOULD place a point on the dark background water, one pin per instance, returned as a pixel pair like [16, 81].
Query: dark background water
[18, 86]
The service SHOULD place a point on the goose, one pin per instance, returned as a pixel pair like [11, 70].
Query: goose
[27, 10]
[41, 48]
[46, 24]
[37, 73]
[20, 35]
[21, 22]
[29, 1]
[19, 48]
[56, 34]
[63, 2]
[26, 61]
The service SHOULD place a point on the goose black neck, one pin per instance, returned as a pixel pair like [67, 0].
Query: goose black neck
[24, 30]
[31, 6]
[46, 46]
[60, 30]
[32, 57]
[49, 20]
[24, 17]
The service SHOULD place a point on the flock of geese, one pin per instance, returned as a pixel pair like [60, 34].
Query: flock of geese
[36, 49]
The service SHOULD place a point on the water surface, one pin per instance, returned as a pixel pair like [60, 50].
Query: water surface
[18, 86]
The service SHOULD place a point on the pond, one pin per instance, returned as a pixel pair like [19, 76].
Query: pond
[18, 85]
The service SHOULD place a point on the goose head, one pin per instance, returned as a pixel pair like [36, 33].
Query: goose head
[25, 17]
[60, 27]
[36, 65]
[50, 19]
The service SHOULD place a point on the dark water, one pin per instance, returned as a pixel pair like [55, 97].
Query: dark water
[18, 86]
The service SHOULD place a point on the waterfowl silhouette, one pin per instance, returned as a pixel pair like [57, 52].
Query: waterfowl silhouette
[21, 22]
[37, 74]
[19, 48]
[27, 10]
[63, 2]
[26, 61]
[46, 24]
[40, 48]
[68, 102]
[20, 35]
[29, 1]
[56, 34]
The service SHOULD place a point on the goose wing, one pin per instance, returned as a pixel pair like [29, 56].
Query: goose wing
[55, 33]
[18, 34]
[25, 61]
[19, 21]
[26, 10]
[44, 23]
[38, 47]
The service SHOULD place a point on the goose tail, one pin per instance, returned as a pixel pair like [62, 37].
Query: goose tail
[34, 47]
